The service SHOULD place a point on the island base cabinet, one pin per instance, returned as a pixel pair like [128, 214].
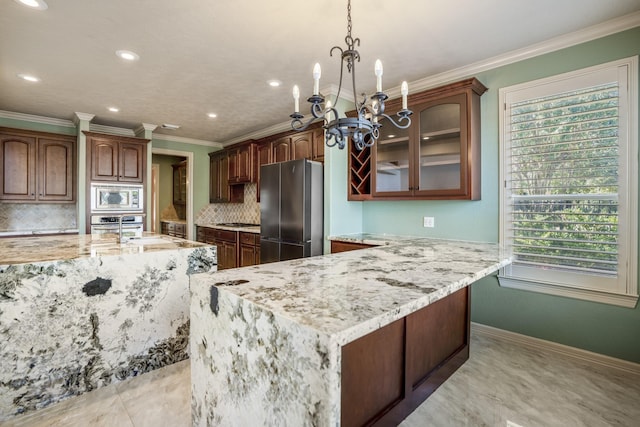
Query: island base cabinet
[388, 373]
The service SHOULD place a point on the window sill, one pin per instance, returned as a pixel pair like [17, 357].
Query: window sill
[622, 300]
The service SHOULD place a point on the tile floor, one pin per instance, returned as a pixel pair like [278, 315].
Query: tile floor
[502, 384]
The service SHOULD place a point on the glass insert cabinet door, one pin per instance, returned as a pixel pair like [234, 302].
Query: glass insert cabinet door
[440, 147]
[429, 159]
[393, 155]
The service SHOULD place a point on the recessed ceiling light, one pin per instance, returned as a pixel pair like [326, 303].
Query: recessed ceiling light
[127, 55]
[170, 126]
[425, 138]
[29, 77]
[212, 115]
[274, 83]
[391, 136]
[35, 4]
[114, 109]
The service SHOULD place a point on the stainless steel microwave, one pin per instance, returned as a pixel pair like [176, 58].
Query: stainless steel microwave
[116, 198]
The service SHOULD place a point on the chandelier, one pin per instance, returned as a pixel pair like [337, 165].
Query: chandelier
[364, 129]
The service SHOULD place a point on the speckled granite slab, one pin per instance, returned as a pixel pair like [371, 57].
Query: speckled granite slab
[261, 326]
[91, 317]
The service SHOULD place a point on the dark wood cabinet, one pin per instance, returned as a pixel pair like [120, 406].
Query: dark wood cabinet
[337, 246]
[180, 183]
[175, 229]
[219, 189]
[437, 157]
[116, 158]
[242, 164]
[264, 157]
[317, 143]
[37, 166]
[281, 149]
[302, 146]
[235, 249]
[249, 253]
[226, 243]
[391, 371]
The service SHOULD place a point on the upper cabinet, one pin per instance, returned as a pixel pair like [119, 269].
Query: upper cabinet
[180, 183]
[242, 164]
[437, 157]
[37, 167]
[116, 158]
[219, 189]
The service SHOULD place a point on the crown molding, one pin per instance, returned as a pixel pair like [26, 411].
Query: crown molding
[145, 127]
[86, 117]
[112, 130]
[181, 139]
[36, 119]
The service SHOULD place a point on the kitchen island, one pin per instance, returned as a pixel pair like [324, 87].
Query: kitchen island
[342, 339]
[81, 311]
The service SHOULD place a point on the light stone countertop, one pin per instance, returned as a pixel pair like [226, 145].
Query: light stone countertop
[23, 250]
[349, 294]
[371, 239]
[255, 229]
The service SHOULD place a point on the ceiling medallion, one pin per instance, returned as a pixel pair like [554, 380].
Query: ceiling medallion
[364, 129]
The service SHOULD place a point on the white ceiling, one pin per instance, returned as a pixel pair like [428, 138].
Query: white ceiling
[201, 56]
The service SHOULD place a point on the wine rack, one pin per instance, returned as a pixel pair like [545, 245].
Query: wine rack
[359, 173]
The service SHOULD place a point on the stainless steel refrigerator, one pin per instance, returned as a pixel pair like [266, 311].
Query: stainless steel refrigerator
[291, 210]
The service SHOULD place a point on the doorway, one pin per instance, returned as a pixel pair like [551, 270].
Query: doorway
[171, 189]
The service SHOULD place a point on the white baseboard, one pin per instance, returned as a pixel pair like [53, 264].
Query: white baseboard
[539, 344]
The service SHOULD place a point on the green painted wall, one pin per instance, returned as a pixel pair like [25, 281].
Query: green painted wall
[596, 327]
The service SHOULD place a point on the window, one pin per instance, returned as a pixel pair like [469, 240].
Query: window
[569, 162]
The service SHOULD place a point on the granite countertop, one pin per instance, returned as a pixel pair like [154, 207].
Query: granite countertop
[38, 232]
[371, 239]
[176, 221]
[23, 250]
[349, 294]
[255, 229]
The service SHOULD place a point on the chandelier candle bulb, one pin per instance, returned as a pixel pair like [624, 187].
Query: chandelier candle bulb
[404, 90]
[378, 71]
[316, 79]
[296, 98]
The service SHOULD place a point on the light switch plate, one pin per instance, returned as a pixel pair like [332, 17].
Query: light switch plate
[429, 222]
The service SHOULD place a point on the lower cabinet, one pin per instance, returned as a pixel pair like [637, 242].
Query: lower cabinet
[390, 372]
[235, 249]
[249, 249]
[175, 229]
[337, 246]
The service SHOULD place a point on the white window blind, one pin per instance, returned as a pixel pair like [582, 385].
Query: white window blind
[567, 205]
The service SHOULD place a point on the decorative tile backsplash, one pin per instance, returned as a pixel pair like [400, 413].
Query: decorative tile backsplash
[248, 212]
[37, 217]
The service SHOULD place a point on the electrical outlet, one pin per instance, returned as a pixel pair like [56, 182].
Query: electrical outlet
[429, 222]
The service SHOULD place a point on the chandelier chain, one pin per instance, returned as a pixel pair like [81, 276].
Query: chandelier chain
[349, 18]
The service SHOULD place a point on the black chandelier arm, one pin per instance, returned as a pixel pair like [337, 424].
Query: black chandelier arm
[403, 116]
[298, 125]
[337, 135]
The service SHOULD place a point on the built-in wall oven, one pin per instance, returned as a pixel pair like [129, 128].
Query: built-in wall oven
[116, 198]
[132, 225]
